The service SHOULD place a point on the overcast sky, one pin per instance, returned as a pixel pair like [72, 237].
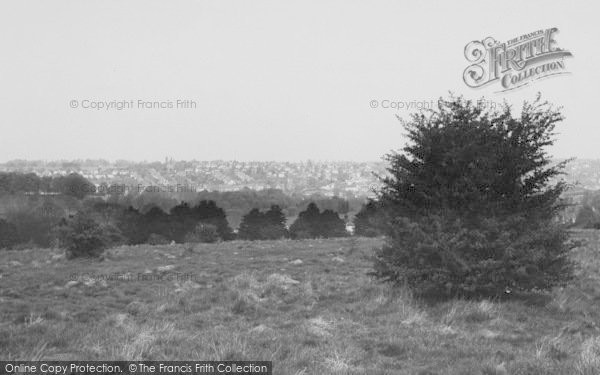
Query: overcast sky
[272, 80]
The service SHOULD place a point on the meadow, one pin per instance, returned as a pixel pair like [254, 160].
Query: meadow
[309, 306]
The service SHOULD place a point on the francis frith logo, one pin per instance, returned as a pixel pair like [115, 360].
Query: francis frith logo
[514, 63]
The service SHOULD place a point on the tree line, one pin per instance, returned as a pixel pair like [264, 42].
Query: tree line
[235, 203]
[32, 206]
[115, 224]
[72, 184]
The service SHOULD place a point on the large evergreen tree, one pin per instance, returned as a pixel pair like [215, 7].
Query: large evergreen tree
[470, 203]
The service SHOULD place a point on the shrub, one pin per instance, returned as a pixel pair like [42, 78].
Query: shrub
[8, 234]
[156, 221]
[272, 232]
[275, 226]
[331, 225]
[269, 225]
[203, 233]
[181, 222]
[32, 226]
[307, 223]
[587, 217]
[209, 212]
[472, 210]
[131, 223]
[251, 224]
[157, 239]
[81, 236]
[312, 223]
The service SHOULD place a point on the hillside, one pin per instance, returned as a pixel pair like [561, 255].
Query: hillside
[306, 305]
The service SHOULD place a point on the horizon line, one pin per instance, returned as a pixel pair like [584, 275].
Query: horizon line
[114, 161]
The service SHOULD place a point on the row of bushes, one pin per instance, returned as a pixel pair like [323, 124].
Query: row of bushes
[82, 236]
[105, 224]
[17, 185]
[35, 224]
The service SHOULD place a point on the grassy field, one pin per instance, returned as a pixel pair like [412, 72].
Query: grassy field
[308, 306]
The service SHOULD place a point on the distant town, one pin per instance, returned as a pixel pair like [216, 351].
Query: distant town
[344, 179]
[335, 178]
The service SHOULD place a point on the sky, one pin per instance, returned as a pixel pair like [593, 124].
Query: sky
[265, 80]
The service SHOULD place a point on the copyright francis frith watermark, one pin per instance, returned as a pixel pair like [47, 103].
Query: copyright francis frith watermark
[516, 62]
[131, 104]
